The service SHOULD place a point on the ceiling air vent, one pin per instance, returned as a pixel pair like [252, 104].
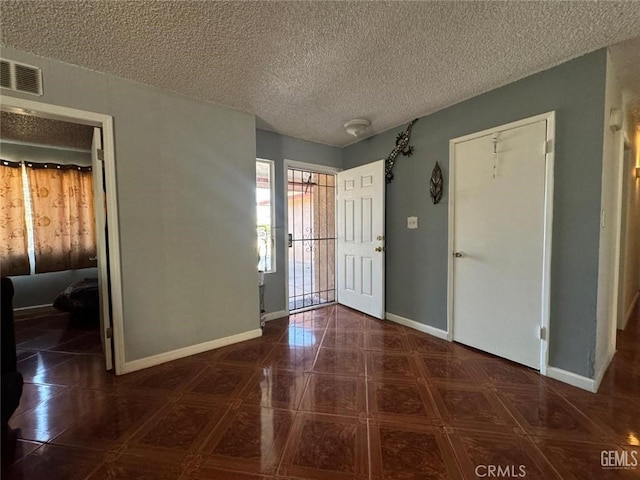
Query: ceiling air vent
[20, 77]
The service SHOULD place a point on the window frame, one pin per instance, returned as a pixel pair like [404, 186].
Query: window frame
[272, 189]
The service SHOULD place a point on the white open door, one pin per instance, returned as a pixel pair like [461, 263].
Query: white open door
[101, 240]
[361, 197]
[501, 240]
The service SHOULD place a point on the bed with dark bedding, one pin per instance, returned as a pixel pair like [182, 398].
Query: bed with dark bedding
[82, 301]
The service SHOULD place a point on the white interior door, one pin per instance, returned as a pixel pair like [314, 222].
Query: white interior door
[498, 216]
[101, 239]
[361, 196]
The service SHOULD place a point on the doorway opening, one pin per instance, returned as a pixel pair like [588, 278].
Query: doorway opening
[311, 217]
[104, 195]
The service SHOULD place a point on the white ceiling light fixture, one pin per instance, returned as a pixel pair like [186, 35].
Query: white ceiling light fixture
[357, 126]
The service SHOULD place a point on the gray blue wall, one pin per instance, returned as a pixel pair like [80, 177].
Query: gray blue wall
[417, 259]
[278, 148]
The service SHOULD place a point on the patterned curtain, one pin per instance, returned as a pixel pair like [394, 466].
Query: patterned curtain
[63, 217]
[13, 227]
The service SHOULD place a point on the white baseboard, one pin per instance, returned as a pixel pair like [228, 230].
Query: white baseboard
[571, 378]
[275, 315]
[421, 327]
[33, 307]
[632, 307]
[602, 370]
[154, 360]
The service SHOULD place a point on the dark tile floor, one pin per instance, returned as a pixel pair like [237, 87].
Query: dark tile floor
[329, 394]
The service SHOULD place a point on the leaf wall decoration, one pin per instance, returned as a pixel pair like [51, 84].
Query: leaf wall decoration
[436, 184]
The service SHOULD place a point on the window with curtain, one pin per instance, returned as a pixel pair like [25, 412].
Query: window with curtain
[13, 227]
[63, 216]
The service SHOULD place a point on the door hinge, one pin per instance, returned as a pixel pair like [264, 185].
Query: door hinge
[548, 146]
[100, 154]
[108, 332]
[543, 333]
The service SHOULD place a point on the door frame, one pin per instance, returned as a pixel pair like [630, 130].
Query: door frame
[314, 167]
[105, 122]
[549, 147]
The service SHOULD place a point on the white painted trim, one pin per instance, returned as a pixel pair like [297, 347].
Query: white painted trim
[154, 360]
[55, 112]
[602, 370]
[627, 316]
[421, 327]
[548, 237]
[503, 128]
[275, 315]
[571, 378]
[32, 307]
[286, 164]
[549, 118]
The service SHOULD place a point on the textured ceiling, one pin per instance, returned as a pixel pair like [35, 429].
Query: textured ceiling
[305, 68]
[42, 131]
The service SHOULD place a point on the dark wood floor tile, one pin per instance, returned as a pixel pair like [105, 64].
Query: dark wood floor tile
[411, 452]
[619, 417]
[209, 473]
[472, 407]
[249, 439]
[340, 362]
[35, 393]
[579, 460]
[181, 426]
[343, 340]
[401, 401]
[89, 343]
[392, 366]
[130, 467]
[111, 421]
[427, 344]
[219, 382]
[52, 462]
[167, 378]
[291, 357]
[14, 449]
[499, 455]
[335, 395]
[80, 370]
[388, 341]
[269, 387]
[302, 336]
[502, 373]
[252, 352]
[56, 414]
[545, 413]
[326, 447]
[34, 367]
[445, 368]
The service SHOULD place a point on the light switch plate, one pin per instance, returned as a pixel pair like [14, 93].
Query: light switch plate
[412, 222]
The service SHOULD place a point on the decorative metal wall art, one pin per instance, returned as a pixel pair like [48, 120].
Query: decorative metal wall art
[402, 147]
[436, 184]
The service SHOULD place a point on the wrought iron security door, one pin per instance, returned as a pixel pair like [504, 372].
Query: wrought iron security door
[312, 240]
